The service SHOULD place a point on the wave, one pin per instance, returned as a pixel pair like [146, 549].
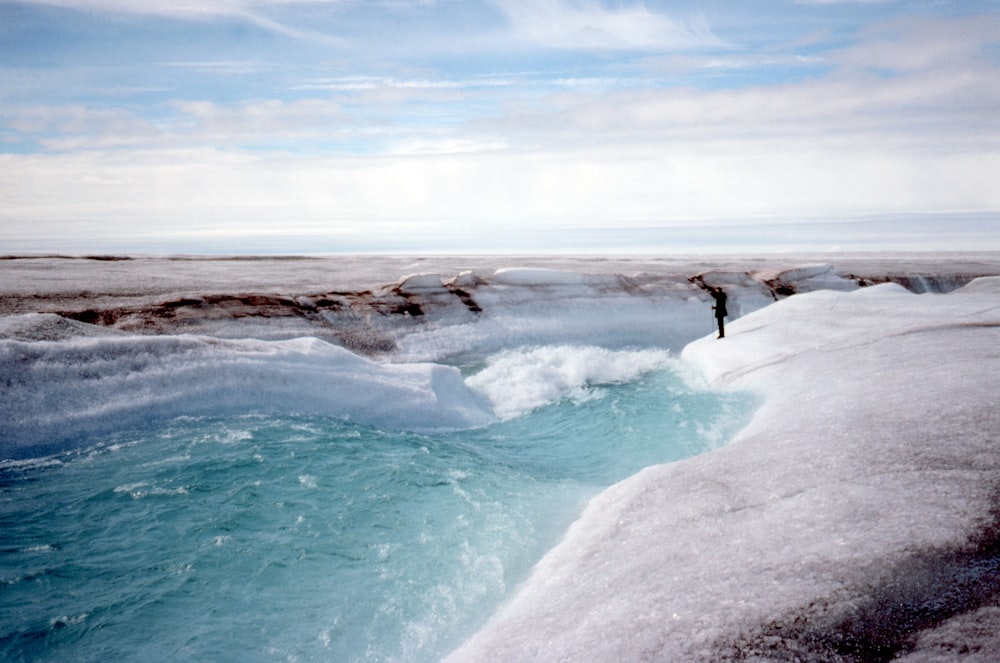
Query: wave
[520, 380]
[66, 383]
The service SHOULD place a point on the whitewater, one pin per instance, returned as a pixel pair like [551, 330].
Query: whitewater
[472, 459]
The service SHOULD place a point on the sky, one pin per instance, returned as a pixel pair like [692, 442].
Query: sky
[325, 126]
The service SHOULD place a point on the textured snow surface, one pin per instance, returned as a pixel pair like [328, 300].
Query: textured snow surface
[855, 517]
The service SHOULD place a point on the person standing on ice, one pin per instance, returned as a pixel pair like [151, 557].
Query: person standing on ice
[719, 295]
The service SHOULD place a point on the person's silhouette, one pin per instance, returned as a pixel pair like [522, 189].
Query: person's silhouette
[719, 295]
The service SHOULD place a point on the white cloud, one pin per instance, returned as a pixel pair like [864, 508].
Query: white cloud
[928, 111]
[214, 124]
[905, 122]
[71, 126]
[225, 67]
[844, 2]
[250, 11]
[925, 139]
[915, 44]
[556, 24]
[218, 193]
[188, 124]
[189, 8]
[185, 8]
[358, 83]
[589, 25]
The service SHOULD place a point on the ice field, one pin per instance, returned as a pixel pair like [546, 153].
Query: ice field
[500, 459]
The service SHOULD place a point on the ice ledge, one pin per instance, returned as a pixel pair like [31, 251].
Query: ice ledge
[855, 518]
[158, 295]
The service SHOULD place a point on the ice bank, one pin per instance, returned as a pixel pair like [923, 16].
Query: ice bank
[856, 518]
[92, 382]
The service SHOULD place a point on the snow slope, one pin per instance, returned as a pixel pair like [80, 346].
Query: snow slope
[856, 518]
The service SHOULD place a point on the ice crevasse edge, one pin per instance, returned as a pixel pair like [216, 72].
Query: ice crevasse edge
[68, 381]
[854, 518]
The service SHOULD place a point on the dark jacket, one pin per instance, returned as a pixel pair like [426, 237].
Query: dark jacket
[720, 303]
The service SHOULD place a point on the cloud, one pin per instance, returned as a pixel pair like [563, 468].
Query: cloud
[927, 102]
[224, 67]
[278, 124]
[178, 8]
[182, 8]
[588, 25]
[844, 2]
[926, 111]
[254, 12]
[258, 120]
[596, 184]
[902, 120]
[918, 44]
[67, 127]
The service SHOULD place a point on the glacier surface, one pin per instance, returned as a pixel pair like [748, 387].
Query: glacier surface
[855, 518]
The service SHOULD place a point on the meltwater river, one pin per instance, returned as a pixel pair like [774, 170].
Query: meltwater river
[258, 537]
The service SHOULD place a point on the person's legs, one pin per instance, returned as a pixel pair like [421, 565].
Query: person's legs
[722, 327]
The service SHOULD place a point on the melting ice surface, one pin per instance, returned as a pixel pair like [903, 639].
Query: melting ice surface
[192, 498]
[214, 496]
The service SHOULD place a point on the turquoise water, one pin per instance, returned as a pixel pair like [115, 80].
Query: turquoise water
[253, 538]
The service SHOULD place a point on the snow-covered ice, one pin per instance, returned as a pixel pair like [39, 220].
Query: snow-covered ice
[854, 518]
[57, 393]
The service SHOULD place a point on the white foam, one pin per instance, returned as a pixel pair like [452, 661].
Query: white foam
[520, 380]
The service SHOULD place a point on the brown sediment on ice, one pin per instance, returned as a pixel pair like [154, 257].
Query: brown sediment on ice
[284, 296]
[351, 319]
